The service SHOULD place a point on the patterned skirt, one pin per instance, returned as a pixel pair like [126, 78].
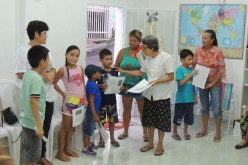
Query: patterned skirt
[157, 114]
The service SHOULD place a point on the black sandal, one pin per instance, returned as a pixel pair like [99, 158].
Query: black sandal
[115, 143]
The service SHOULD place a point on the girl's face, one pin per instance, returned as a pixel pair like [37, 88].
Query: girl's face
[133, 42]
[41, 38]
[207, 40]
[72, 56]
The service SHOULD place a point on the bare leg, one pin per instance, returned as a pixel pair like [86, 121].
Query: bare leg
[174, 129]
[127, 105]
[218, 125]
[140, 103]
[185, 130]
[111, 131]
[160, 147]
[204, 124]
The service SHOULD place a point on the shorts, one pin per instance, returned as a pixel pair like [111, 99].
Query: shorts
[129, 94]
[32, 145]
[108, 112]
[70, 103]
[88, 124]
[183, 110]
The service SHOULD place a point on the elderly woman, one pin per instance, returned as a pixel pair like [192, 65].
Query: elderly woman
[209, 55]
[157, 112]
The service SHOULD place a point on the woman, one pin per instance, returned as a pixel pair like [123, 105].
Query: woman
[128, 60]
[160, 72]
[209, 55]
[244, 129]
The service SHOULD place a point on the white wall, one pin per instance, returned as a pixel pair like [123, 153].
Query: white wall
[67, 23]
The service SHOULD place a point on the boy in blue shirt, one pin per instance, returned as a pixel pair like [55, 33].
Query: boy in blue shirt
[185, 96]
[92, 113]
[33, 103]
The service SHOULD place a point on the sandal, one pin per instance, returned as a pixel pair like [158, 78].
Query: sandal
[187, 137]
[115, 143]
[44, 161]
[102, 144]
[217, 140]
[176, 137]
[63, 158]
[145, 148]
[145, 138]
[93, 146]
[122, 136]
[88, 151]
[72, 154]
[159, 154]
[200, 134]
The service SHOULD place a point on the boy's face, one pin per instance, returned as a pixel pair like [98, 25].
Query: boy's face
[187, 61]
[96, 75]
[107, 60]
[45, 63]
[41, 38]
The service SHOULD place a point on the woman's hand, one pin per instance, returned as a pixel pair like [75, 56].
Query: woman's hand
[118, 69]
[209, 85]
[122, 88]
[153, 82]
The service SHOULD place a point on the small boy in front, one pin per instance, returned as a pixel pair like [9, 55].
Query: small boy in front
[92, 113]
[33, 103]
[185, 97]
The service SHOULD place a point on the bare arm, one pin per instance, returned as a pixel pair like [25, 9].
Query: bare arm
[34, 101]
[129, 72]
[83, 80]
[187, 78]
[119, 57]
[57, 77]
[168, 78]
[92, 107]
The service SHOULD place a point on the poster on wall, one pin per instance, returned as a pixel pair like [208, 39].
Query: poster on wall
[227, 20]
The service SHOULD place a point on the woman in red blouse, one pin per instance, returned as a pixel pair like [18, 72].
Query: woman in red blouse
[209, 55]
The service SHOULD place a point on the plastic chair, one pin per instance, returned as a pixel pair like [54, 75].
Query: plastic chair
[10, 97]
[5, 134]
[55, 124]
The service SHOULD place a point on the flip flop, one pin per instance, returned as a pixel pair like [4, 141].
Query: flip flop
[217, 140]
[238, 146]
[187, 137]
[101, 144]
[145, 138]
[176, 137]
[200, 134]
[159, 154]
[44, 161]
[63, 158]
[145, 148]
[72, 154]
[115, 143]
[122, 136]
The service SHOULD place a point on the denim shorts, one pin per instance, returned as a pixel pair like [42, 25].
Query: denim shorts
[215, 93]
[32, 145]
[183, 110]
[88, 124]
[129, 94]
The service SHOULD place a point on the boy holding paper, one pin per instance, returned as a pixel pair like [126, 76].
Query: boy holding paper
[108, 102]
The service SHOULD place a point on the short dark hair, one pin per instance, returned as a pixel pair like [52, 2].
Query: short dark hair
[185, 53]
[36, 54]
[36, 26]
[104, 52]
[91, 69]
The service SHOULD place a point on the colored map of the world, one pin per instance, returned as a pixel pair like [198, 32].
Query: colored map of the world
[228, 21]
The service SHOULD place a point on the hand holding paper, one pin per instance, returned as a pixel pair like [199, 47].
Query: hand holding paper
[141, 86]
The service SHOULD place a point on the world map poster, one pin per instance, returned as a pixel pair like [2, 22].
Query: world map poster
[227, 20]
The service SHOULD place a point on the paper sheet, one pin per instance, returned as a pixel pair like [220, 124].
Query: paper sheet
[103, 132]
[114, 84]
[140, 87]
[78, 116]
[200, 79]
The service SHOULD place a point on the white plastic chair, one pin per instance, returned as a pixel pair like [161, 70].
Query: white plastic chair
[55, 124]
[10, 97]
[5, 134]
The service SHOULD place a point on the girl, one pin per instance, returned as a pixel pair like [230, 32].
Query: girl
[74, 95]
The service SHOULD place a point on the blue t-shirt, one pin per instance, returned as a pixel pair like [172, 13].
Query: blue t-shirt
[92, 89]
[185, 93]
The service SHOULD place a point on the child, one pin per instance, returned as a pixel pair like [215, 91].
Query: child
[33, 103]
[92, 112]
[108, 102]
[72, 76]
[37, 34]
[185, 96]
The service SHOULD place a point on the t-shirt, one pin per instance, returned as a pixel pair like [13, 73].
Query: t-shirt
[107, 99]
[22, 65]
[32, 86]
[185, 93]
[92, 89]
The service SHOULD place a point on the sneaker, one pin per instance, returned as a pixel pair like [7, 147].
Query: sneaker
[93, 146]
[88, 151]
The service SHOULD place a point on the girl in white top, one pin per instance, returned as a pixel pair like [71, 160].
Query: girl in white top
[160, 71]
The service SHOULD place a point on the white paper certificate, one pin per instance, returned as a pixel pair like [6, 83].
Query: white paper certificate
[78, 115]
[114, 84]
[103, 132]
[200, 79]
[140, 87]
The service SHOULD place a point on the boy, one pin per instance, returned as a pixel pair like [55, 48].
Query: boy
[94, 99]
[33, 103]
[108, 103]
[185, 96]
[37, 33]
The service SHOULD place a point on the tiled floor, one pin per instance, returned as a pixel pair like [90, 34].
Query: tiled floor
[202, 151]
